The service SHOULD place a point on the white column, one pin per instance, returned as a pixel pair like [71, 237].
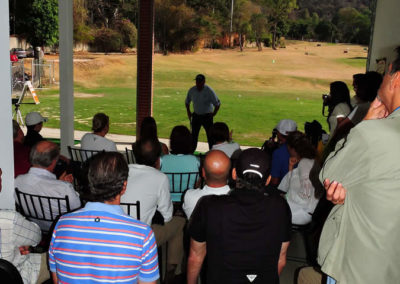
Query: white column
[6, 145]
[65, 18]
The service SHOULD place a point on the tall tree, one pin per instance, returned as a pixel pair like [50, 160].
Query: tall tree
[278, 12]
[42, 23]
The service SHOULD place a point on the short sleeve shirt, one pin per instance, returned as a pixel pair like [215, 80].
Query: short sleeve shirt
[280, 162]
[244, 232]
[91, 141]
[204, 101]
[340, 111]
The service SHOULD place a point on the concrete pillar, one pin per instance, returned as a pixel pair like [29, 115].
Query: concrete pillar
[6, 145]
[144, 93]
[65, 18]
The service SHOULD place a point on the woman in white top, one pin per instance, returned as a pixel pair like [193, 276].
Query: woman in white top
[96, 141]
[222, 139]
[300, 193]
[338, 104]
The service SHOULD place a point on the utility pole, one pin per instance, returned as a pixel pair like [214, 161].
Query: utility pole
[230, 35]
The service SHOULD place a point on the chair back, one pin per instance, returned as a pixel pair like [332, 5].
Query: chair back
[128, 208]
[130, 156]
[39, 207]
[179, 182]
[9, 273]
[80, 155]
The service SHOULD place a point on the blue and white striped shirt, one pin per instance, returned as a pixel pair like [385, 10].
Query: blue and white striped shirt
[100, 244]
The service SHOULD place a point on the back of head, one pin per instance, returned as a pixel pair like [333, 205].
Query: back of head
[99, 122]
[44, 153]
[252, 169]
[148, 152]
[148, 128]
[107, 173]
[219, 132]
[313, 131]
[339, 93]
[374, 81]
[181, 140]
[301, 144]
[217, 167]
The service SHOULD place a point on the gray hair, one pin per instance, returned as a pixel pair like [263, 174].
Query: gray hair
[44, 157]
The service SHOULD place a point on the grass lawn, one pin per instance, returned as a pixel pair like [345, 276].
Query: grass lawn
[256, 89]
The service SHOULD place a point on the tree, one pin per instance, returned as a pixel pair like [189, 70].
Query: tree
[42, 23]
[258, 28]
[278, 11]
[82, 31]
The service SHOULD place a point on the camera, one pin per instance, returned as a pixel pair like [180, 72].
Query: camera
[326, 100]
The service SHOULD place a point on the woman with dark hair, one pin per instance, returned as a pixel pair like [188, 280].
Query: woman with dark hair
[338, 104]
[148, 131]
[181, 158]
[297, 185]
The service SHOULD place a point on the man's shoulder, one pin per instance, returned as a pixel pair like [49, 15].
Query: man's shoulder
[143, 170]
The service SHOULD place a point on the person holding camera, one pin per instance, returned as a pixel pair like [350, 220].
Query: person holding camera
[338, 103]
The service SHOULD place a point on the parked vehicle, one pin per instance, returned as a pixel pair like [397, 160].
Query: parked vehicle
[21, 53]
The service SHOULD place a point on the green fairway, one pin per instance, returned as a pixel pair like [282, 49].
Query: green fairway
[256, 89]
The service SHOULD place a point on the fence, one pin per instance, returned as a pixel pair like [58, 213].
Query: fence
[18, 77]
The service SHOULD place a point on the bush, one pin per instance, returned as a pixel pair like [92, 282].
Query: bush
[107, 40]
[267, 41]
[128, 33]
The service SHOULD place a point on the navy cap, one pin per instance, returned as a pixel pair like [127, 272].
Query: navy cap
[200, 77]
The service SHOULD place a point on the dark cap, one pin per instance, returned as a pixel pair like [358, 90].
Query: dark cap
[200, 77]
[255, 161]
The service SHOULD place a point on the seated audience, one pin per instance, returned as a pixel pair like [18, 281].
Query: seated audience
[96, 141]
[216, 170]
[21, 151]
[148, 131]
[246, 233]
[300, 191]
[34, 123]
[280, 157]
[41, 180]
[106, 245]
[151, 187]
[338, 103]
[222, 140]
[181, 158]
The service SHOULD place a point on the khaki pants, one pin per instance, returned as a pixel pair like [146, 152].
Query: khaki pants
[171, 232]
[44, 273]
[308, 275]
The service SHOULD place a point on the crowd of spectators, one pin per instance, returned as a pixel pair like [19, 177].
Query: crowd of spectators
[233, 223]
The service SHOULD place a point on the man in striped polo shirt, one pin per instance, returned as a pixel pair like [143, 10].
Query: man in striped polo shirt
[100, 243]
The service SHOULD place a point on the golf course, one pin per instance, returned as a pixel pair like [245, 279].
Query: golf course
[256, 89]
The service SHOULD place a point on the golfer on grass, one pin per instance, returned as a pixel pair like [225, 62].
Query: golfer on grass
[205, 106]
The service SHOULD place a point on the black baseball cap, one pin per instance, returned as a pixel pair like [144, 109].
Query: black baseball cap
[254, 160]
[200, 77]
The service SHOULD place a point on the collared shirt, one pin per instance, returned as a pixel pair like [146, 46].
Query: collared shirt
[244, 232]
[360, 239]
[151, 188]
[16, 231]
[193, 195]
[227, 147]
[100, 243]
[204, 101]
[42, 182]
[91, 141]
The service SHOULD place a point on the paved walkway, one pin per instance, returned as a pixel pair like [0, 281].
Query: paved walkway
[121, 140]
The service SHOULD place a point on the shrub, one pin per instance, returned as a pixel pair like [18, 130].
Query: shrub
[107, 40]
[128, 32]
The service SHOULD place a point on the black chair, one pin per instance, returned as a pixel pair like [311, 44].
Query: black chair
[130, 156]
[32, 207]
[179, 182]
[9, 273]
[81, 155]
[127, 208]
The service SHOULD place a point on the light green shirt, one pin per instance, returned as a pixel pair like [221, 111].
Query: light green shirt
[360, 241]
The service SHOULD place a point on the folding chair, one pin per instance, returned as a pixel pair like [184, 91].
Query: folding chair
[127, 207]
[130, 156]
[80, 155]
[34, 206]
[179, 182]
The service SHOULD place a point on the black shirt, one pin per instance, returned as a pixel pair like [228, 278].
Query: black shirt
[32, 137]
[244, 232]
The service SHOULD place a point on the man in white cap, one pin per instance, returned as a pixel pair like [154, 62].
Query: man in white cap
[34, 123]
[280, 157]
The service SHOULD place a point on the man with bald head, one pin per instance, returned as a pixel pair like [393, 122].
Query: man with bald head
[41, 180]
[215, 172]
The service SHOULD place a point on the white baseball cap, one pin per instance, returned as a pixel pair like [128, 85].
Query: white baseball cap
[285, 126]
[34, 118]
